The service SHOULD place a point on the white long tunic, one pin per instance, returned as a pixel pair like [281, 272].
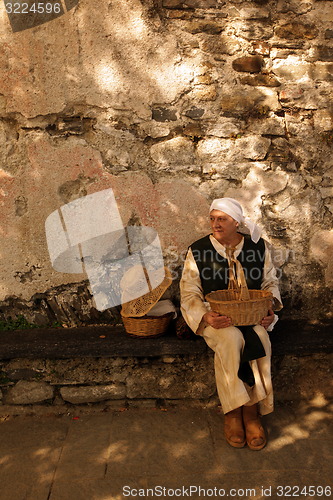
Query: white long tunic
[228, 343]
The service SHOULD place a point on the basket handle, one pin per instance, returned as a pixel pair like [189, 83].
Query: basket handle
[239, 284]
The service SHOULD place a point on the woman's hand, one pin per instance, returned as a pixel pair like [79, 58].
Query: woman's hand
[216, 320]
[267, 320]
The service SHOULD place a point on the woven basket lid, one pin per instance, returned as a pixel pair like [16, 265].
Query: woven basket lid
[142, 305]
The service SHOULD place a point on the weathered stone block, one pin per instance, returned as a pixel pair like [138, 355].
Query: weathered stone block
[279, 152]
[261, 81]
[185, 14]
[323, 119]
[250, 102]
[324, 53]
[220, 46]
[326, 192]
[191, 4]
[203, 93]
[296, 6]
[23, 374]
[261, 48]
[214, 150]
[277, 53]
[233, 167]
[291, 93]
[253, 147]
[255, 30]
[161, 114]
[297, 30]
[327, 178]
[210, 27]
[249, 64]
[237, 103]
[249, 12]
[227, 128]
[193, 130]
[292, 69]
[174, 4]
[322, 72]
[151, 384]
[154, 130]
[25, 392]
[273, 125]
[259, 181]
[178, 151]
[93, 394]
[194, 112]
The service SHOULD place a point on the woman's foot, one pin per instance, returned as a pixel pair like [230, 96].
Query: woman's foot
[255, 434]
[233, 428]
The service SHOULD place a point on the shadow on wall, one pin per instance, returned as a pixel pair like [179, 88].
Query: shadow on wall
[102, 72]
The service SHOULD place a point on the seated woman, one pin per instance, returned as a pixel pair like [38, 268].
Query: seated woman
[243, 383]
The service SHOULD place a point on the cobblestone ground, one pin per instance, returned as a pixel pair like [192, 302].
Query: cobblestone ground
[86, 453]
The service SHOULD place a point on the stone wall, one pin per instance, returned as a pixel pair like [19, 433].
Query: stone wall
[170, 103]
[91, 380]
[125, 381]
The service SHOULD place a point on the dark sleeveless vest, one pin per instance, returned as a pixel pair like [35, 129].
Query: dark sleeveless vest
[213, 268]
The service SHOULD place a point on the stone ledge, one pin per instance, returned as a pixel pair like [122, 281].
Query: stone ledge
[288, 337]
[94, 365]
[91, 341]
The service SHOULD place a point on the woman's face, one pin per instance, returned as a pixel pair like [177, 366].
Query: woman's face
[224, 227]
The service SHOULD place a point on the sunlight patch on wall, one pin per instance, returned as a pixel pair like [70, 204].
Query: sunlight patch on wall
[108, 77]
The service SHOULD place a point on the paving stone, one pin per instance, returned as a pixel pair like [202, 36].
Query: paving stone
[142, 438]
[116, 454]
[87, 448]
[29, 453]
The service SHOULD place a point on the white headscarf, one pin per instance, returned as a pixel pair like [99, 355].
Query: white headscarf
[233, 208]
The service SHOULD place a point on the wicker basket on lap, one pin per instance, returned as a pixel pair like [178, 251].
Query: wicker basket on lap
[248, 311]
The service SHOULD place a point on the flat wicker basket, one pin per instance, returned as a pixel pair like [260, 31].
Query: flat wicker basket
[147, 326]
[242, 312]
